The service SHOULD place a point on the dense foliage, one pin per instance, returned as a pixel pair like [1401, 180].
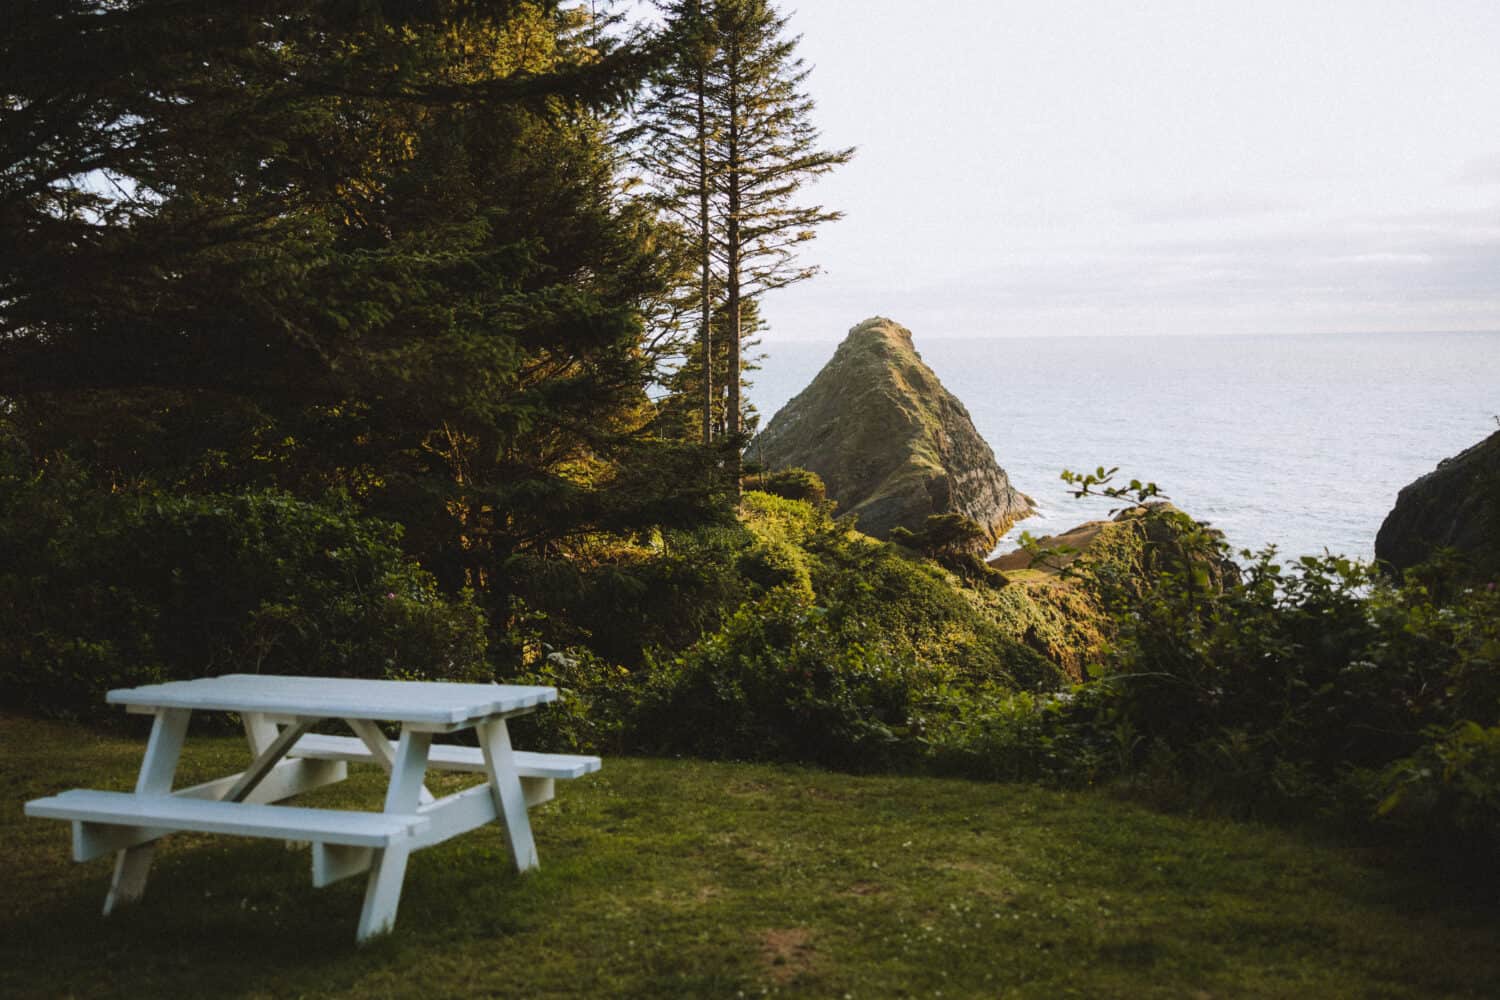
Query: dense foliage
[1317, 688]
[1310, 689]
[377, 248]
[113, 590]
[788, 635]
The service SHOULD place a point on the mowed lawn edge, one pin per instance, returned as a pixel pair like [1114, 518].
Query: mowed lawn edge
[690, 878]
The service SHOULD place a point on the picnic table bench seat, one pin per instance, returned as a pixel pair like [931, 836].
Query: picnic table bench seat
[332, 826]
[538, 771]
[449, 757]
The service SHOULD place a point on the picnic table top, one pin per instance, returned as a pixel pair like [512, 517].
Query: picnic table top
[430, 702]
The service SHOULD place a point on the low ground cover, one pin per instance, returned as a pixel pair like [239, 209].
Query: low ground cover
[689, 878]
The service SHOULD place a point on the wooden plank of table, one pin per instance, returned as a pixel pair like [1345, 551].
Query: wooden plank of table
[437, 705]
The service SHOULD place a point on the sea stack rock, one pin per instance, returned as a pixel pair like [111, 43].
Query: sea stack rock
[1457, 506]
[890, 443]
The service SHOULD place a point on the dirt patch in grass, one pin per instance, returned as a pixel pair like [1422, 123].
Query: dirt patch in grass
[822, 794]
[787, 954]
[753, 789]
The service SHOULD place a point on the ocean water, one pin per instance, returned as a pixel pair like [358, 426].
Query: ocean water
[1301, 442]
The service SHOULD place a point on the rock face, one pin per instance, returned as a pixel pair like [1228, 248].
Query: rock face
[1455, 506]
[891, 444]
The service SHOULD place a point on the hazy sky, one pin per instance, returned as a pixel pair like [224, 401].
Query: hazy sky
[1156, 166]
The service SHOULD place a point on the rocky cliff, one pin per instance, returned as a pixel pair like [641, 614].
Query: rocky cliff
[1457, 505]
[891, 444]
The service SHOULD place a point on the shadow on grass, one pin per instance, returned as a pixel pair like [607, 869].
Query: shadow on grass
[219, 919]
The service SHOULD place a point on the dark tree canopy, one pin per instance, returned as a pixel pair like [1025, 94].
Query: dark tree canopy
[373, 247]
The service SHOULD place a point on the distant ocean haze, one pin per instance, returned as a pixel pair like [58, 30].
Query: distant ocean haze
[1298, 441]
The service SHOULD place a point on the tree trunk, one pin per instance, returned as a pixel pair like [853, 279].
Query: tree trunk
[705, 328]
[732, 270]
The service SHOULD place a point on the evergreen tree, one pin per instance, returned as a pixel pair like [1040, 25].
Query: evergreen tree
[729, 133]
[670, 137]
[377, 247]
[767, 148]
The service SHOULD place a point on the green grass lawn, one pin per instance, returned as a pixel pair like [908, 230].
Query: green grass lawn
[683, 878]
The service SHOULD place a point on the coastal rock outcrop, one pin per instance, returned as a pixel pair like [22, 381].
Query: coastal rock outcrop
[890, 443]
[1158, 529]
[1457, 506]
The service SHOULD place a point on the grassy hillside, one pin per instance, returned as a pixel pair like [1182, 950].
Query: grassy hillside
[683, 878]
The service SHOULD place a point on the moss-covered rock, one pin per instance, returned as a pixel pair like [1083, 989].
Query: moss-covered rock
[1152, 535]
[1055, 607]
[890, 443]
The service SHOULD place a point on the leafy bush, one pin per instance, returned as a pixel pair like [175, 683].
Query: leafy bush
[596, 708]
[784, 680]
[665, 595]
[790, 484]
[1309, 688]
[955, 541]
[806, 640]
[1062, 623]
[1450, 785]
[1007, 735]
[661, 602]
[99, 591]
[774, 563]
[918, 607]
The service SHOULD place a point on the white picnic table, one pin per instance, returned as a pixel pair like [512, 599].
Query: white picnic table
[287, 759]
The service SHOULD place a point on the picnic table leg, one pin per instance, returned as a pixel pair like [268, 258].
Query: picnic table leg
[260, 731]
[380, 749]
[510, 799]
[158, 768]
[388, 867]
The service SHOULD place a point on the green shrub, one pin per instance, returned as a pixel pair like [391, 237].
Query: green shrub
[1062, 623]
[782, 681]
[773, 563]
[622, 608]
[1451, 785]
[1008, 735]
[596, 708]
[99, 591]
[791, 484]
[767, 516]
[1289, 689]
[918, 607]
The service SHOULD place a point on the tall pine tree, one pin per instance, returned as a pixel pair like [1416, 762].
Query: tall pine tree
[727, 137]
[767, 149]
[670, 137]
